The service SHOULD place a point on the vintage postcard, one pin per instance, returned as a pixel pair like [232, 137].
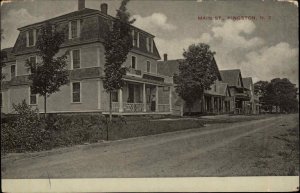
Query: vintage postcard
[149, 95]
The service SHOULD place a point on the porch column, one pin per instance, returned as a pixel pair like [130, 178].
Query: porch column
[156, 99]
[224, 106]
[203, 103]
[144, 98]
[121, 109]
[212, 104]
[218, 104]
[170, 98]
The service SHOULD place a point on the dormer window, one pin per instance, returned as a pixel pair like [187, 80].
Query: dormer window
[149, 42]
[31, 38]
[148, 66]
[135, 38]
[133, 62]
[74, 29]
[13, 71]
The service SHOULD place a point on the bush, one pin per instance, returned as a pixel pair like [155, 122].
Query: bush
[67, 130]
[25, 133]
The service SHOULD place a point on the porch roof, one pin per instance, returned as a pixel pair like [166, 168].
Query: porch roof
[143, 80]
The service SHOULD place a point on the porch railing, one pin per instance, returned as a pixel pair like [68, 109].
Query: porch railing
[139, 107]
[115, 107]
[163, 107]
[133, 107]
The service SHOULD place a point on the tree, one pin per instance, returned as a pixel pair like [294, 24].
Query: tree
[117, 44]
[2, 32]
[284, 95]
[260, 89]
[196, 73]
[278, 93]
[50, 74]
[3, 55]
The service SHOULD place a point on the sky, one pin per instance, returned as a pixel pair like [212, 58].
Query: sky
[262, 48]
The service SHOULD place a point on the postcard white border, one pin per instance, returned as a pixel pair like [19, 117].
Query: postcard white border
[189, 184]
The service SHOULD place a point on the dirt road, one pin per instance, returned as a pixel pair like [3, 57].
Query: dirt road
[259, 147]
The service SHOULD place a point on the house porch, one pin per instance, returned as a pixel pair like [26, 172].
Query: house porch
[137, 98]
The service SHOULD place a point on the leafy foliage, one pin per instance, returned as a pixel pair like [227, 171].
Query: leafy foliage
[280, 93]
[196, 73]
[25, 132]
[50, 74]
[117, 44]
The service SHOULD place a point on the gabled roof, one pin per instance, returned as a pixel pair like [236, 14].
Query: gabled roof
[231, 77]
[224, 88]
[7, 55]
[247, 82]
[169, 67]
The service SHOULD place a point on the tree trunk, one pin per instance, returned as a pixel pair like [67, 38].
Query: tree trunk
[45, 106]
[110, 107]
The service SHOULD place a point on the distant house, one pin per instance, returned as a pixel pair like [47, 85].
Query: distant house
[240, 94]
[85, 30]
[252, 106]
[216, 100]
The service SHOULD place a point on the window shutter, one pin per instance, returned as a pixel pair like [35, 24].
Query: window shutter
[27, 39]
[34, 36]
[151, 44]
[78, 28]
[132, 35]
[138, 39]
[147, 43]
[70, 30]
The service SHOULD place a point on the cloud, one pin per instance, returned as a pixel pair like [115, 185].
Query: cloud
[237, 47]
[13, 20]
[155, 23]
[224, 37]
[232, 34]
[269, 62]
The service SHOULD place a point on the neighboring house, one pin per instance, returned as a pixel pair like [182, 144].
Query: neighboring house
[85, 30]
[252, 106]
[240, 94]
[216, 100]
[8, 72]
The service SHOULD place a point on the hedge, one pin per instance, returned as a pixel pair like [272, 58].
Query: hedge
[27, 131]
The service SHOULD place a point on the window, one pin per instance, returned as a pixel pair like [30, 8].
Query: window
[149, 42]
[1, 99]
[30, 37]
[13, 71]
[133, 62]
[32, 60]
[33, 97]
[76, 92]
[114, 96]
[74, 28]
[148, 66]
[75, 59]
[53, 28]
[135, 38]
[111, 25]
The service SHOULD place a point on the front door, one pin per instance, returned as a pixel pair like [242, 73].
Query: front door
[130, 93]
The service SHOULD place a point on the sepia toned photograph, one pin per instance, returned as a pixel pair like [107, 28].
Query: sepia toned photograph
[149, 89]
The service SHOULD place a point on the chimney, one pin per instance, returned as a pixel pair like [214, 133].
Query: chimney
[81, 4]
[165, 57]
[103, 8]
